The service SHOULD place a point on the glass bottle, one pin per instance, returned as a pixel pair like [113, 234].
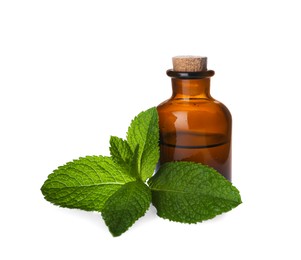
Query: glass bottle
[193, 125]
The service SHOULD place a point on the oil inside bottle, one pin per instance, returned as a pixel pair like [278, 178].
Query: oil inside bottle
[211, 149]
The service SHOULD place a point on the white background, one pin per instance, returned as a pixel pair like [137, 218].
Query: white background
[72, 73]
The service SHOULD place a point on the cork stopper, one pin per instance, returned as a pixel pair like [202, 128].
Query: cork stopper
[189, 63]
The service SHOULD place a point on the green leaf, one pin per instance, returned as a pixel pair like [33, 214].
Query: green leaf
[85, 183]
[189, 192]
[144, 131]
[126, 206]
[134, 163]
[122, 154]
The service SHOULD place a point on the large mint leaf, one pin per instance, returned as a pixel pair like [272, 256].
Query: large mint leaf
[189, 192]
[125, 206]
[144, 131]
[85, 183]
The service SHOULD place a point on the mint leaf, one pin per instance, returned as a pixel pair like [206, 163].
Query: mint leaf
[125, 206]
[144, 131]
[122, 154]
[85, 183]
[189, 192]
[134, 163]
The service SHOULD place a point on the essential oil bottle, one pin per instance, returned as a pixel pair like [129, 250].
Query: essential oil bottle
[193, 125]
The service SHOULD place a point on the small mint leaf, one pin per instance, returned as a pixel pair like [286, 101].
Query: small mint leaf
[122, 154]
[189, 192]
[144, 131]
[134, 163]
[85, 183]
[126, 206]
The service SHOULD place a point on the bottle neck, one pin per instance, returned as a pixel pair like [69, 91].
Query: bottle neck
[191, 88]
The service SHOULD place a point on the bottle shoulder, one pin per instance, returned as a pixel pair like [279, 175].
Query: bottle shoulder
[190, 105]
[195, 116]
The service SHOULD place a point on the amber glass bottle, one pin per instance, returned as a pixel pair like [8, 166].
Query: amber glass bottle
[193, 125]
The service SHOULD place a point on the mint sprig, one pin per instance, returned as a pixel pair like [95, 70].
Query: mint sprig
[115, 186]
